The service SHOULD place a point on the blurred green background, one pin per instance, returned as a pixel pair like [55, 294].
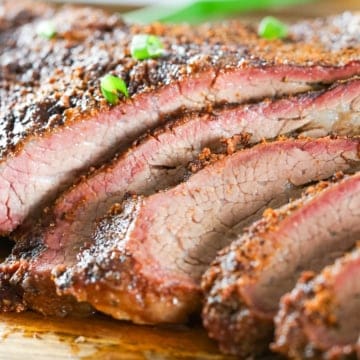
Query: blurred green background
[202, 10]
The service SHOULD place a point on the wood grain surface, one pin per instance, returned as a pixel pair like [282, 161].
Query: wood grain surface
[31, 336]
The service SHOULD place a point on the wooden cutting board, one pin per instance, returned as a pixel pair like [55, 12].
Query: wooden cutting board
[30, 336]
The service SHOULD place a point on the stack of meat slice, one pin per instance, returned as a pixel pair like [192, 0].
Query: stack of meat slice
[245, 283]
[190, 222]
[158, 246]
[51, 101]
[225, 125]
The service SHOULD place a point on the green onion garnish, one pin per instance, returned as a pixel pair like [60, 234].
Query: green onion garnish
[111, 86]
[146, 47]
[46, 29]
[271, 28]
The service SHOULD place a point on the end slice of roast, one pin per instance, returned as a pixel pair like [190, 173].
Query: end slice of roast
[320, 317]
[150, 252]
[55, 123]
[245, 283]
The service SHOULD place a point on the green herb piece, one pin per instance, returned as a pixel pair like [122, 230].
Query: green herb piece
[197, 11]
[46, 29]
[146, 47]
[111, 86]
[271, 28]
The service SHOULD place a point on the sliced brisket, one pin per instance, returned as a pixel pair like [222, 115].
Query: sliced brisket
[320, 318]
[244, 284]
[149, 253]
[55, 124]
[159, 160]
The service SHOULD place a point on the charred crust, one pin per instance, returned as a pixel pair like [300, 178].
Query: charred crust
[226, 315]
[224, 147]
[110, 267]
[49, 84]
[11, 295]
[313, 301]
[109, 234]
[205, 158]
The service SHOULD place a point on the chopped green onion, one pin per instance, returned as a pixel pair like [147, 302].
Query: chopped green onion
[146, 47]
[271, 28]
[46, 29]
[111, 86]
